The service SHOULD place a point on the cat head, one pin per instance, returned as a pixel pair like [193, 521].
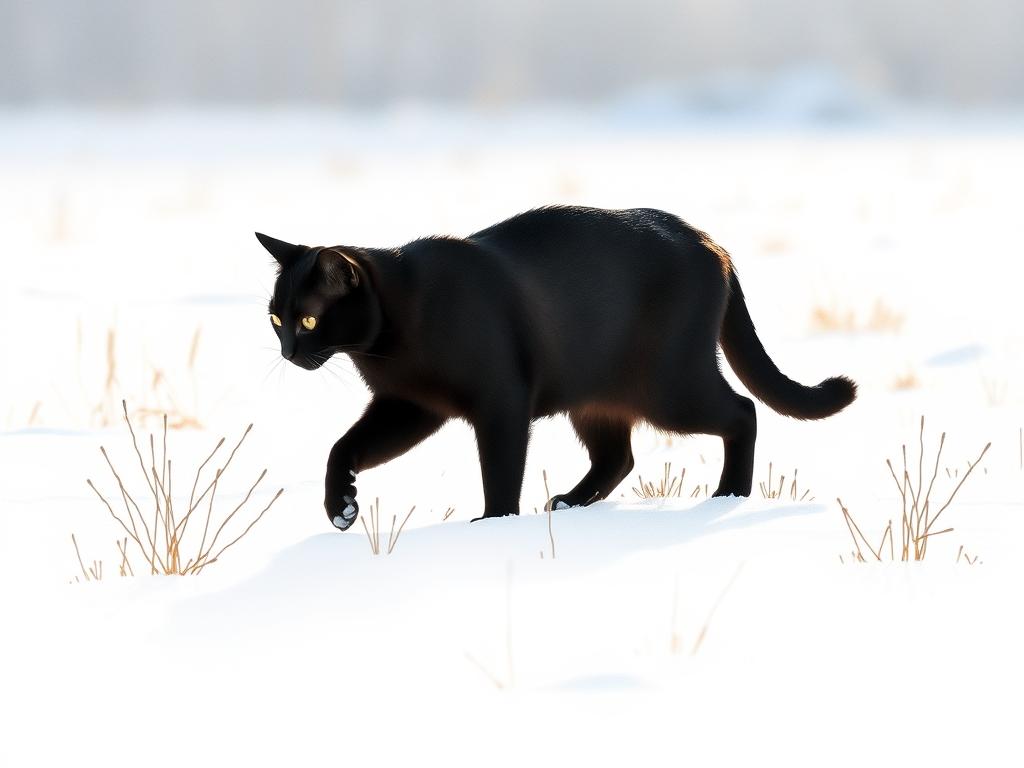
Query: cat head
[323, 301]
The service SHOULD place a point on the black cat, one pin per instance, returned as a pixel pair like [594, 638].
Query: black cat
[613, 317]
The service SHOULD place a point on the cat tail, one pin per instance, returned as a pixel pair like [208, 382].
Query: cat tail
[747, 357]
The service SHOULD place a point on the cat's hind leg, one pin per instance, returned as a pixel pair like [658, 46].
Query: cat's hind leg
[607, 440]
[708, 405]
[738, 430]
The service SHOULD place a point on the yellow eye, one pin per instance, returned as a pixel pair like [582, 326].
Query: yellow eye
[309, 323]
[275, 320]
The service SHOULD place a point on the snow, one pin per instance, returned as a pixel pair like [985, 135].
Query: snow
[650, 632]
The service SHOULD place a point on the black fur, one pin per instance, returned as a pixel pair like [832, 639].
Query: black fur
[613, 317]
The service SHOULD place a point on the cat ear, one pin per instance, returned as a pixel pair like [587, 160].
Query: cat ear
[283, 252]
[340, 267]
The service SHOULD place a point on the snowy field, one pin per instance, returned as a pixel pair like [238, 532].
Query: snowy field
[665, 631]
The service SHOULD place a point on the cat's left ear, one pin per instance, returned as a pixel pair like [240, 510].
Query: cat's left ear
[340, 267]
[284, 253]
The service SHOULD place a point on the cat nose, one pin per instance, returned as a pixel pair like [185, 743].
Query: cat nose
[288, 348]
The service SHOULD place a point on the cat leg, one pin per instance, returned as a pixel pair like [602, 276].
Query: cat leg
[387, 428]
[611, 459]
[713, 408]
[739, 433]
[502, 437]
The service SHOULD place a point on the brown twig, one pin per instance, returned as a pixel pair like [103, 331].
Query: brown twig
[125, 563]
[369, 536]
[85, 574]
[551, 535]
[240, 536]
[714, 608]
[227, 519]
[960, 484]
[393, 543]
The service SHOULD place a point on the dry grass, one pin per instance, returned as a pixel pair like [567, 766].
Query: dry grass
[714, 609]
[833, 319]
[772, 490]
[499, 681]
[568, 187]
[162, 398]
[551, 534]
[373, 532]
[125, 568]
[183, 412]
[104, 413]
[94, 572]
[905, 382]
[963, 557]
[996, 389]
[675, 646]
[159, 399]
[953, 473]
[917, 515]
[669, 486]
[775, 244]
[884, 319]
[159, 533]
[675, 638]
[16, 419]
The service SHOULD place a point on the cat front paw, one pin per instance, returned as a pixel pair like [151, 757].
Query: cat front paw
[343, 520]
[341, 505]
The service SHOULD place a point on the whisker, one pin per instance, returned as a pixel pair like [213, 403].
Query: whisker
[275, 365]
[336, 375]
[351, 349]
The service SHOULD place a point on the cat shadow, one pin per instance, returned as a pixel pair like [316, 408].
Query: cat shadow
[337, 571]
[614, 530]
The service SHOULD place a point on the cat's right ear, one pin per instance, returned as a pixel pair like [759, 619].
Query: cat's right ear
[340, 267]
[284, 253]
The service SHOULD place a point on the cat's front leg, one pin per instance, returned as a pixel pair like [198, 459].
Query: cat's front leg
[502, 436]
[387, 428]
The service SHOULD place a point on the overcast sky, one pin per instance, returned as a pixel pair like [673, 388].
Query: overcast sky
[360, 52]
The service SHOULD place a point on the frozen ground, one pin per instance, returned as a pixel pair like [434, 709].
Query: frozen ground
[662, 632]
